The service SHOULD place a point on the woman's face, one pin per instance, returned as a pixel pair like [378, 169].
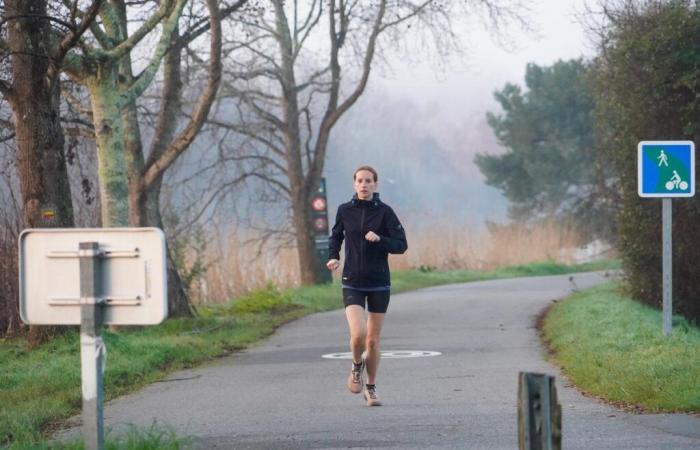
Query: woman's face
[364, 185]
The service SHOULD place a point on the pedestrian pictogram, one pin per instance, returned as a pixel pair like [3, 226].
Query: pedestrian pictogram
[666, 168]
[663, 159]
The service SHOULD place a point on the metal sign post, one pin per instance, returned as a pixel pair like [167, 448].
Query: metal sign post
[667, 261]
[91, 345]
[666, 169]
[92, 277]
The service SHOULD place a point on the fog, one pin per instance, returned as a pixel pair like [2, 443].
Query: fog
[420, 123]
[425, 166]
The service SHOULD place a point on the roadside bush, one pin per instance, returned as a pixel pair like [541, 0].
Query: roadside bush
[268, 300]
[647, 88]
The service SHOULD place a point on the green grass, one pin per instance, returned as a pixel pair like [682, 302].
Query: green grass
[151, 438]
[40, 388]
[614, 348]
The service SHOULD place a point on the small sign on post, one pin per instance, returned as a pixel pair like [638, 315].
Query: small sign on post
[666, 169]
[91, 277]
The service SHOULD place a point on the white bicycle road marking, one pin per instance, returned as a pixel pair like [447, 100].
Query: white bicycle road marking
[387, 354]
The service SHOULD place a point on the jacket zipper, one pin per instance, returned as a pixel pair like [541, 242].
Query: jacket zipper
[362, 242]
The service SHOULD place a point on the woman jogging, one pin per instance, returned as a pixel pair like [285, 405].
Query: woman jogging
[371, 231]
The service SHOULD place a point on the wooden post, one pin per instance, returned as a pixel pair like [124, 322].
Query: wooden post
[539, 413]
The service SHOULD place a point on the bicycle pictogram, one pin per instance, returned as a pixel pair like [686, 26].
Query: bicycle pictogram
[676, 183]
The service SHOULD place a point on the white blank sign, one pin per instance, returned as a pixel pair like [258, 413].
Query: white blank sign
[133, 268]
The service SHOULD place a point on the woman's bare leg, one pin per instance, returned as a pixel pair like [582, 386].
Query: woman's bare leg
[358, 330]
[374, 330]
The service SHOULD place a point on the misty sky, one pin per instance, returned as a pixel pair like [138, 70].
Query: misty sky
[449, 105]
[471, 79]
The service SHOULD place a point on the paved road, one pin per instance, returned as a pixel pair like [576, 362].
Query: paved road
[282, 394]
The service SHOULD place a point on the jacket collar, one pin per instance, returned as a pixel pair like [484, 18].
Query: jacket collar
[366, 203]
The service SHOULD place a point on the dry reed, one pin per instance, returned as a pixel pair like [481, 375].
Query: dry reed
[237, 264]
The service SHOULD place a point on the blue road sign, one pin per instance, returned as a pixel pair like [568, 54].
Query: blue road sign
[666, 169]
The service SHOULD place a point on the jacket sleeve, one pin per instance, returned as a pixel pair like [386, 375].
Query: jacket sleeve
[395, 242]
[336, 238]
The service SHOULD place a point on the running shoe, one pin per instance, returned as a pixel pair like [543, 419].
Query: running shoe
[371, 397]
[355, 377]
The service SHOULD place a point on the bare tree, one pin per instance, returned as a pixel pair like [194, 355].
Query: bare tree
[288, 96]
[98, 55]
[146, 173]
[129, 178]
[98, 66]
[37, 41]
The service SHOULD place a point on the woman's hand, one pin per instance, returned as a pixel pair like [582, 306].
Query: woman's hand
[333, 264]
[372, 237]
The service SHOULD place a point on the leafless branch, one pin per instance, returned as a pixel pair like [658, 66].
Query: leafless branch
[6, 19]
[204, 206]
[312, 79]
[415, 10]
[309, 135]
[273, 182]
[143, 80]
[155, 168]
[165, 8]
[247, 130]
[309, 24]
[70, 39]
[265, 160]
[203, 25]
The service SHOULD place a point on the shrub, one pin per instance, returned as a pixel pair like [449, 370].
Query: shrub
[647, 89]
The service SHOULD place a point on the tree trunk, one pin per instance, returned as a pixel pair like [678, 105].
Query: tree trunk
[145, 212]
[306, 249]
[35, 103]
[292, 142]
[41, 161]
[144, 201]
[110, 139]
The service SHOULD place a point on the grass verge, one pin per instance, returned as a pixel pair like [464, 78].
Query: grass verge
[40, 388]
[152, 438]
[613, 347]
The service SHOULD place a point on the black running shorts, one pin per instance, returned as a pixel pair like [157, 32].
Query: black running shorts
[377, 301]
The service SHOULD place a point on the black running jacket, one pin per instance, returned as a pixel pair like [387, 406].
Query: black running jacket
[366, 263]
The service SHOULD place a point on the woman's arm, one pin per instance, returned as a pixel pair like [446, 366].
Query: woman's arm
[395, 242]
[336, 238]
